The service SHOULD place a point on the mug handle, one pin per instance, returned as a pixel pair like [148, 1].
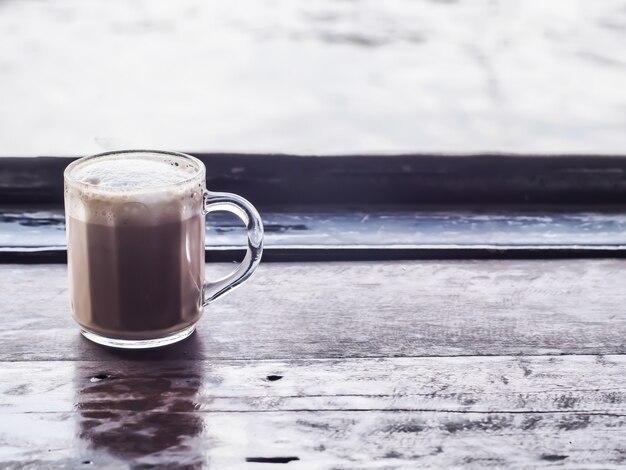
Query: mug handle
[254, 228]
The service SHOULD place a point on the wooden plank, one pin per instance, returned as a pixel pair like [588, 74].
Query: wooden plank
[317, 310]
[505, 412]
[43, 228]
[542, 384]
[277, 179]
[311, 440]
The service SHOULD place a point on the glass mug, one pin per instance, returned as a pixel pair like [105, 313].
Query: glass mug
[135, 243]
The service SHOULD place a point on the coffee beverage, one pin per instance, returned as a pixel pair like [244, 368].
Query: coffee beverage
[147, 288]
[135, 246]
[136, 256]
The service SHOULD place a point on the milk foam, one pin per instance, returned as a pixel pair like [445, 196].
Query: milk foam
[131, 173]
[134, 188]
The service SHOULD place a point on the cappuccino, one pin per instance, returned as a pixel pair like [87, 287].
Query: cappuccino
[135, 244]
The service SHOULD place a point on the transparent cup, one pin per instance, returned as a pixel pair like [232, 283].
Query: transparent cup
[136, 251]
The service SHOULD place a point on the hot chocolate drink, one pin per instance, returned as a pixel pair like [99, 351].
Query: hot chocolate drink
[135, 244]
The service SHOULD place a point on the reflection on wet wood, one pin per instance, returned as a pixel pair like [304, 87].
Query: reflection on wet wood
[327, 233]
[590, 384]
[398, 413]
[320, 310]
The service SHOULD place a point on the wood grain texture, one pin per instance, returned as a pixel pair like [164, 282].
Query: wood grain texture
[504, 412]
[313, 440]
[390, 365]
[317, 310]
[542, 384]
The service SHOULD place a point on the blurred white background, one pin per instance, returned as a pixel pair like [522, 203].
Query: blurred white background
[323, 76]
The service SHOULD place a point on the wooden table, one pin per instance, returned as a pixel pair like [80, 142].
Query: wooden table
[492, 363]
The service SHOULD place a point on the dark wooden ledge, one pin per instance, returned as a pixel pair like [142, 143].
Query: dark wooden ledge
[370, 179]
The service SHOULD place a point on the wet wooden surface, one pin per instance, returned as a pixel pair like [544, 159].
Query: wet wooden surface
[331, 232]
[395, 365]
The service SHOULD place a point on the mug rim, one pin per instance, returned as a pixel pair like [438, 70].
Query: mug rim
[200, 170]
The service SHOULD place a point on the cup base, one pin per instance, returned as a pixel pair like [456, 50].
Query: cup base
[138, 343]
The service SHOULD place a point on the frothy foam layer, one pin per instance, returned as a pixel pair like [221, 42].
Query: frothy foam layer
[134, 189]
[133, 172]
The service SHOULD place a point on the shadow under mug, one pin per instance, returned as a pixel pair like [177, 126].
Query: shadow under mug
[136, 239]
